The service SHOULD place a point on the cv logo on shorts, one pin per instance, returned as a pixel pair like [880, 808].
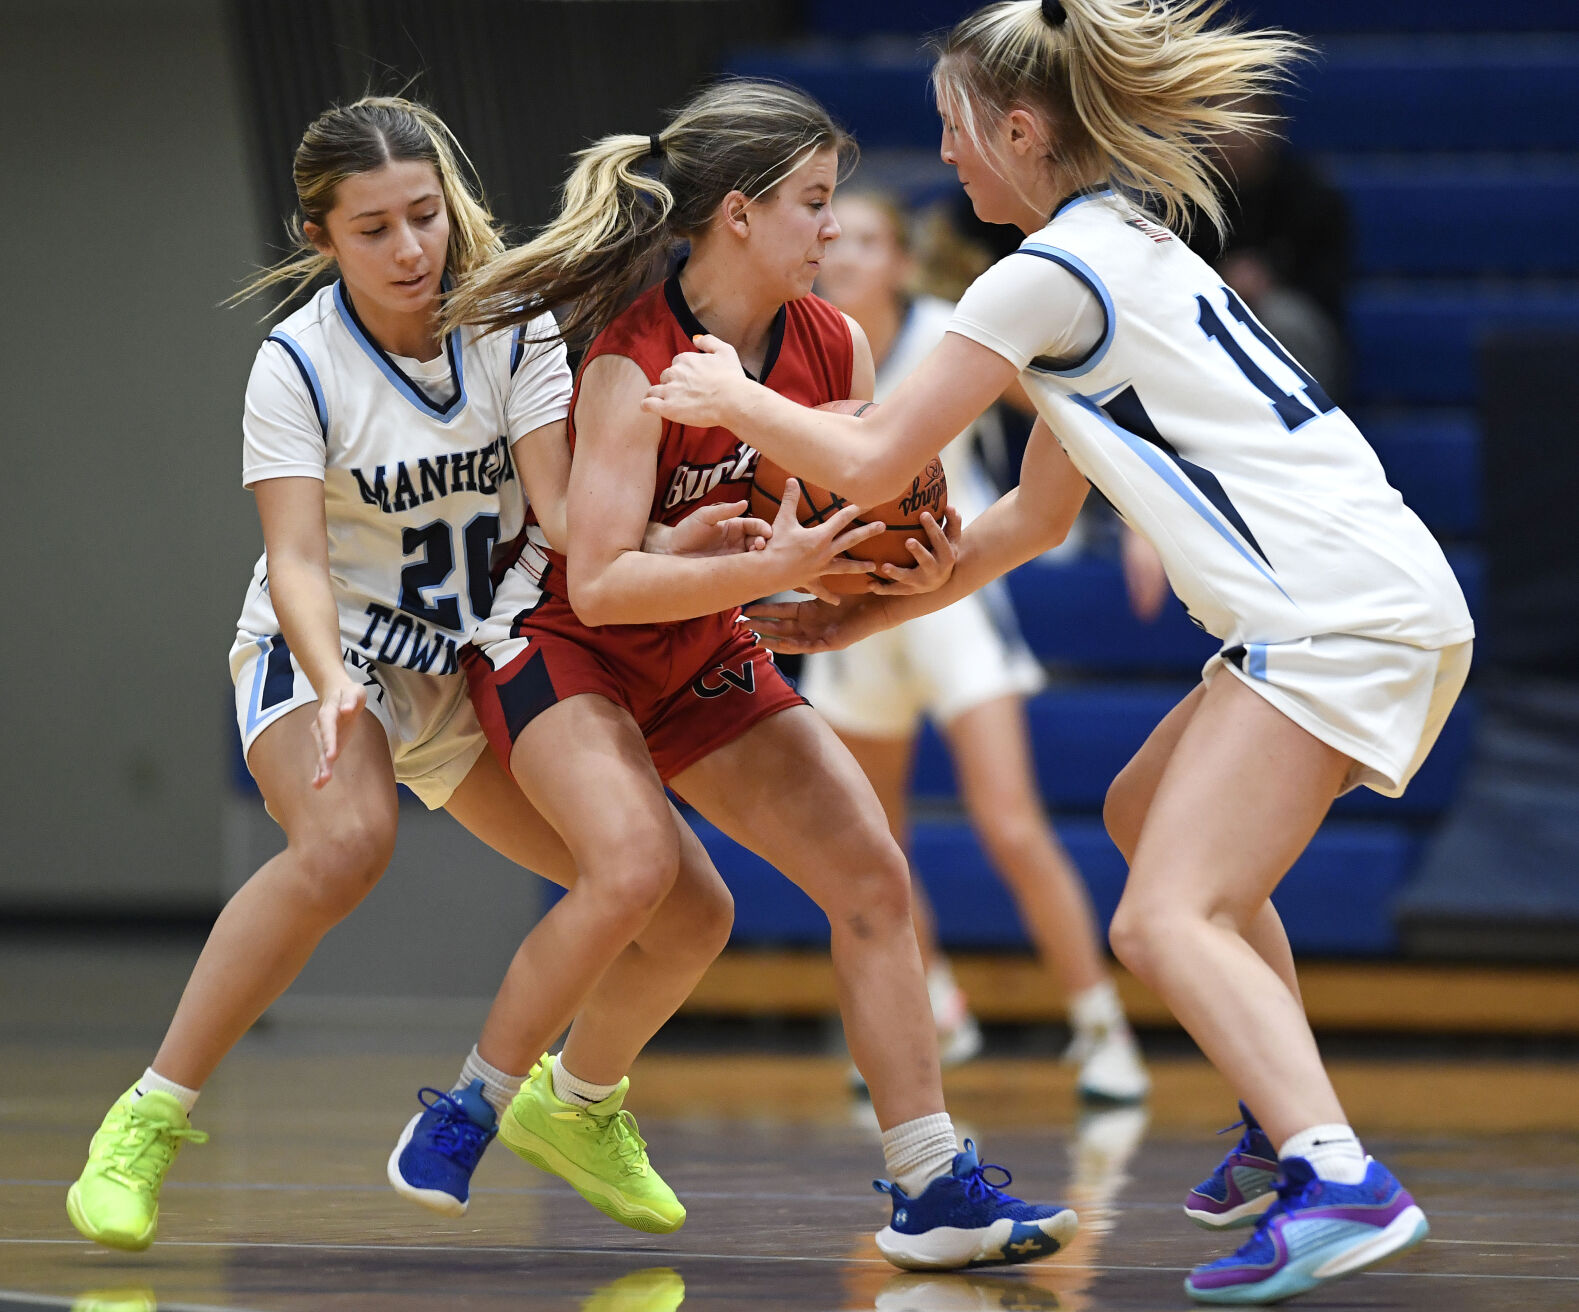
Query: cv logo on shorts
[745, 681]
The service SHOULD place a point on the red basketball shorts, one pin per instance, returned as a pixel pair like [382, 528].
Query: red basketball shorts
[691, 686]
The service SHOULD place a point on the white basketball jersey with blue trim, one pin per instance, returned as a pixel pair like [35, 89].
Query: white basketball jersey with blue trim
[419, 486]
[970, 490]
[1270, 511]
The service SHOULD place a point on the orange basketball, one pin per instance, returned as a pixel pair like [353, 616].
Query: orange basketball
[928, 491]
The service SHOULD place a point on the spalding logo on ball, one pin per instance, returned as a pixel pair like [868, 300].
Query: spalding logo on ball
[928, 491]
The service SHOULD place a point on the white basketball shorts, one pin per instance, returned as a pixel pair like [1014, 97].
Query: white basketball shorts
[1381, 702]
[434, 737]
[938, 665]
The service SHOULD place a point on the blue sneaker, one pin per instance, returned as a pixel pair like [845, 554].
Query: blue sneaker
[440, 1147]
[1317, 1231]
[963, 1219]
[1244, 1184]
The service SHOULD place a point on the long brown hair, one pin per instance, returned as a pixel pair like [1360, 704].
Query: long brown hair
[617, 221]
[347, 140]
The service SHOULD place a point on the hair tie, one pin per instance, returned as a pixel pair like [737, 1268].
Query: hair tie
[655, 146]
[1054, 13]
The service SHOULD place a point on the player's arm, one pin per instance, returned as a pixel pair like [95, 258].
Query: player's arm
[870, 459]
[610, 579]
[1031, 519]
[542, 462]
[296, 542]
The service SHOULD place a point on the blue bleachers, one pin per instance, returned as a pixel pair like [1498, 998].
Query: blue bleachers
[1458, 215]
[1334, 901]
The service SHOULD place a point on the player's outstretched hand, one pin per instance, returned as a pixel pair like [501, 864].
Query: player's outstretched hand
[932, 568]
[798, 627]
[800, 555]
[337, 712]
[691, 389]
[720, 530]
[1144, 578]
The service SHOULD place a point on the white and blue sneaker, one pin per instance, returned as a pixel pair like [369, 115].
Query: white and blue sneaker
[963, 1219]
[1316, 1231]
[440, 1147]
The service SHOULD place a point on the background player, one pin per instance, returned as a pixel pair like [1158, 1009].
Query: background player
[606, 677]
[1346, 637]
[968, 668]
[384, 489]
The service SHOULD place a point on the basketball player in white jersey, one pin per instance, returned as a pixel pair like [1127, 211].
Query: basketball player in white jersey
[966, 667]
[1345, 636]
[385, 461]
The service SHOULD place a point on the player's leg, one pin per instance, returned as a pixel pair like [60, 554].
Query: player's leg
[338, 841]
[886, 762]
[584, 766]
[789, 790]
[439, 1149]
[1243, 794]
[990, 744]
[1124, 812]
[1242, 1186]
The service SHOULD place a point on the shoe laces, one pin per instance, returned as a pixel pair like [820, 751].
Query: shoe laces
[979, 1189]
[456, 1134]
[145, 1149]
[623, 1140]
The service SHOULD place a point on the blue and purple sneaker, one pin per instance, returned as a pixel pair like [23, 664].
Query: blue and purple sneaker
[1317, 1231]
[1244, 1184]
[963, 1219]
[440, 1147]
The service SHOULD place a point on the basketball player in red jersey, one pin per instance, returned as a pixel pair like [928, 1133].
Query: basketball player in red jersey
[602, 678]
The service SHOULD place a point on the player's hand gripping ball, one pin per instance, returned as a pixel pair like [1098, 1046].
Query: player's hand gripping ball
[928, 491]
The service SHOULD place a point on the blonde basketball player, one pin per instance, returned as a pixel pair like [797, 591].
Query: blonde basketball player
[1346, 638]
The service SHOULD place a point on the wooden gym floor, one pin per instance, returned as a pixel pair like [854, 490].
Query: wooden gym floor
[286, 1208]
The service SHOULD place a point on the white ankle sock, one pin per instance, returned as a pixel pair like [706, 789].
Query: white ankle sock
[153, 1082]
[917, 1152]
[1332, 1151]
[577, 1092]
[497, 1087]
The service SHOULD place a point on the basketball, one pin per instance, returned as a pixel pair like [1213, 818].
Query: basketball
[928, 491]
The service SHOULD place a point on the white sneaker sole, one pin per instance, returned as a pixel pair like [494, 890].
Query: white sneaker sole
[947, 1248]
[435, 1200]
[1243, 1215]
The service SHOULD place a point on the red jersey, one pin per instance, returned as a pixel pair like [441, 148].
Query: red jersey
[810, 359]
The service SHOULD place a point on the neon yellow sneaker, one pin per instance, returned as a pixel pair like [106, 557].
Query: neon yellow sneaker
[595, 1149]
[657, 1289]
[115, 1201]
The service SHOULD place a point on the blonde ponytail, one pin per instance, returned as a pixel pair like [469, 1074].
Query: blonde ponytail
[1133, 92]
[629, 199]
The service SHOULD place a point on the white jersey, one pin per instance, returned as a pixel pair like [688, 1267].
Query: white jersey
[419, 486]
[1270, 511]
[970, 490]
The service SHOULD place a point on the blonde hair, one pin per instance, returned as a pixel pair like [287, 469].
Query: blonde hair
[617, 223]
[1133, 92]
[358, 138]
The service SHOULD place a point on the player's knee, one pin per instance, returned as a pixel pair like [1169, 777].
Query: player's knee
[1016, 840]
[710, 916]
[873, 897]
[1135, 933]
[341, 860]
[1119, 816]
[633, 877]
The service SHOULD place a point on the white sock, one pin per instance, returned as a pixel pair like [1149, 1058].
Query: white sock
[153, 1082]
[1096, 1008]
[917, 1152]
[1332, 1151]
[577, 1092]
[498, 1088]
